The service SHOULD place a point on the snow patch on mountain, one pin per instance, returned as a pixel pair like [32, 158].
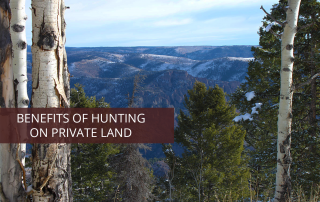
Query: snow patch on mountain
[228, 68]
[240, 59]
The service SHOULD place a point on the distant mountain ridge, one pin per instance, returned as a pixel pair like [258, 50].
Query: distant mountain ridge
[191, 52]
[109, 71]
[169, 73]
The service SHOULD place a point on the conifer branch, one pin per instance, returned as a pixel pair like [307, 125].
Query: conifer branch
[280, 23]
[307, 82]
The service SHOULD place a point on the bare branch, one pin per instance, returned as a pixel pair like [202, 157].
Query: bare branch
[22, 168]
[307, 82]
[275, 34]
[280, 23]
[305, 26]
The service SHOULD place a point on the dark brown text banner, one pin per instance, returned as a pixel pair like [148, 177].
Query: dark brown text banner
[87, 125]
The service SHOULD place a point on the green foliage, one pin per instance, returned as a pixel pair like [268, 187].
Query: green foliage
[212, 164]
[80, 100]
[264, 79]
[92, 176]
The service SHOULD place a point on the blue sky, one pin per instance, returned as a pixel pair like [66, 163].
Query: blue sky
[96, 23]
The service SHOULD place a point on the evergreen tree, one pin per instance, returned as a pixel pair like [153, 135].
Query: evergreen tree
[213, 144]
[264, 79]
[93, 179]
[80, 100]
[92, 176]
[134, 177]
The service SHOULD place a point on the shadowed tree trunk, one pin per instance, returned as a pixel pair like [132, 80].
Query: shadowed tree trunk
[11, 185]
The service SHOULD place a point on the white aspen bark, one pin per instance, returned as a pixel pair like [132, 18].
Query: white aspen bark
[11, 187]
[283, 180]
[49, 161]
[19, 51]
[19, 59]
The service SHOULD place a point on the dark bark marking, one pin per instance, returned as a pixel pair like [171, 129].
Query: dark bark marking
[282, 149]
[47, 38]
[279, 161]
[292, 59]
[286, 69]
[287, 160]
[34, 11]
[286, 141]
[18, 28]
[287, 98]
[25, 102]
[289, 46]
[15, 84]
[22, 45]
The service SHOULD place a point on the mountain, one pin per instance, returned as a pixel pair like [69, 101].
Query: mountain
[169, 72]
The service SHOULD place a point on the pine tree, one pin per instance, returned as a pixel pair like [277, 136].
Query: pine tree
[80, 100]
[92, 176]
[213, 145]
[264, 79]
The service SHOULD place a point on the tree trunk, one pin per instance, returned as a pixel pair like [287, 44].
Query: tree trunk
[50, 162]
[283, 180]
[11, 187]
[66, 80]
[19, 60]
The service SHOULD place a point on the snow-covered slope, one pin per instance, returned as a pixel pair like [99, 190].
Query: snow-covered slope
[225, 69]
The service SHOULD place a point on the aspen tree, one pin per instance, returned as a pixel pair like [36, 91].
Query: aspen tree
[19, 60]
[50, 169]
[13, 92]
[283, 180]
